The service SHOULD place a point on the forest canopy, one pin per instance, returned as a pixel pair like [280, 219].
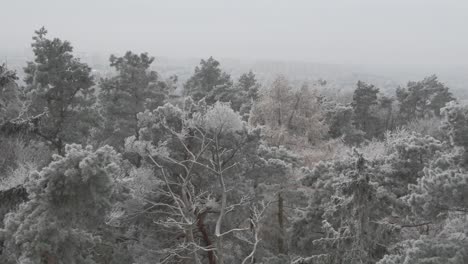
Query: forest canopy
[125, 169]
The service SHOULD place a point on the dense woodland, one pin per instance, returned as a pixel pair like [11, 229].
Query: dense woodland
[124, 170]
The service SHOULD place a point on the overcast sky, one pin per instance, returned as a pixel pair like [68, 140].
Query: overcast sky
[395, 32]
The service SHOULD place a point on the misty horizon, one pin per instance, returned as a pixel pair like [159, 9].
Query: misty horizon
[396, 33]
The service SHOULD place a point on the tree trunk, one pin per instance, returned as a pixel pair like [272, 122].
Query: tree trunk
[48, 258]
[281, 246]
[206, 237]
[219, 243]
[295, 109]
[60, 147]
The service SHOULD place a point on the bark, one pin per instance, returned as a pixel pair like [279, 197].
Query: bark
[295, 109]
[206, 238]
[219, 243]
[220, 221]
[281, 246]
[47, 258]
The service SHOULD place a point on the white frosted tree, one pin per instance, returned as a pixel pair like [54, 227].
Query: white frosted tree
[68, 202]
[199, 155]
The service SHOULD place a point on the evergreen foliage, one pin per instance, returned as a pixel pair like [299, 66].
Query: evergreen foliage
[229, 172]
[209, 82]
[68, 202]
[61, 85]
[423, 98]
[134, 89]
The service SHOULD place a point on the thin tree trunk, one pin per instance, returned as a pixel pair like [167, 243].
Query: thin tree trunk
[219, 242]
[219, 222]
[296, 106]
[189, 230]
[281, 246]
[60, 147]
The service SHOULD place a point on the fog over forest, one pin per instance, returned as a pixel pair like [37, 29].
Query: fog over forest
[234, 132]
